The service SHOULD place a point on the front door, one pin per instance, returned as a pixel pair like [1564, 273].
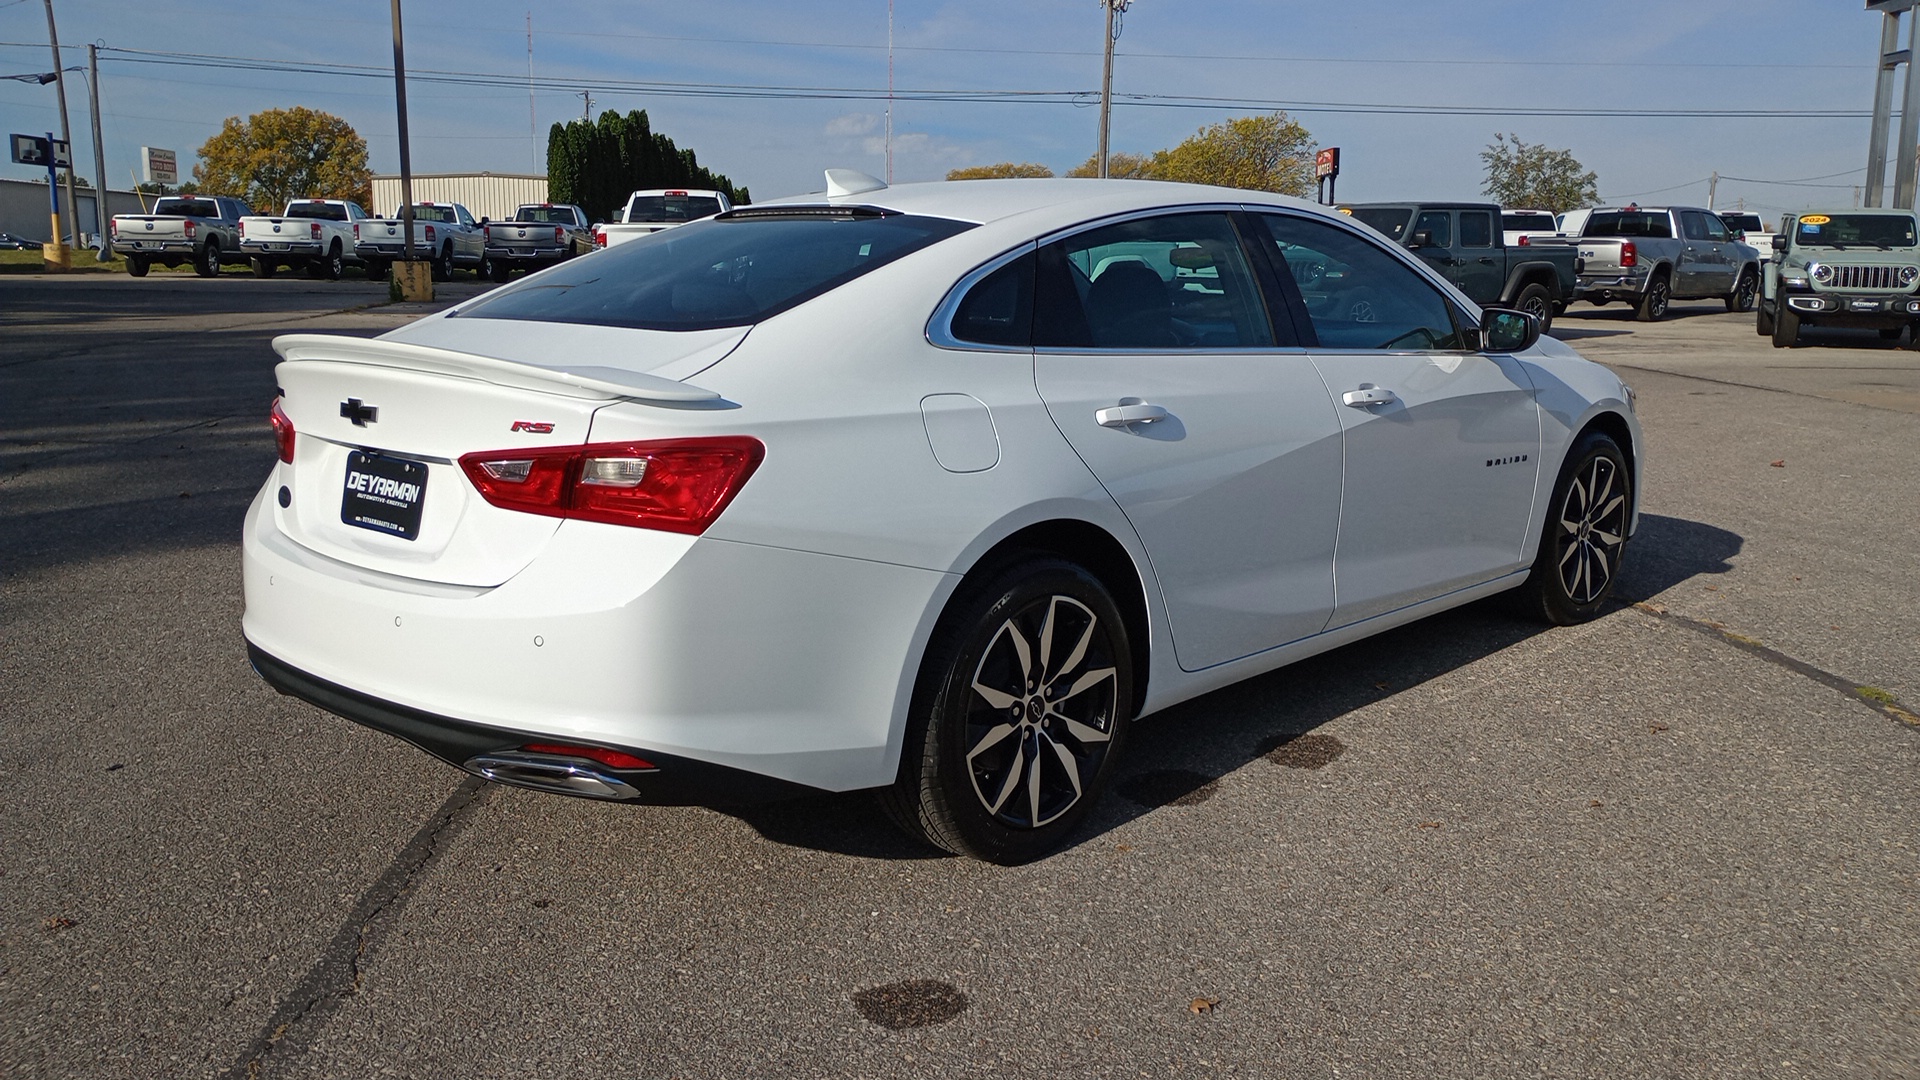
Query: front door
[1157, 359]
[1441, 445]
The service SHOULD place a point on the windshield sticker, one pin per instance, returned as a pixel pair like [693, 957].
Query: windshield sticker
[1809, 229]
[1815, 219]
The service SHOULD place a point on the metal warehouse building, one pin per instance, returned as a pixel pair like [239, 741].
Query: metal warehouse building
[487, 194]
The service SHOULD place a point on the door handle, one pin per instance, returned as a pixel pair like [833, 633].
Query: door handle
[1488, 259]
[1122, 415]
[1368, 396]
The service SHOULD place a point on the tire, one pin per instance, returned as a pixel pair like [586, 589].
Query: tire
[264, 267]
[207, 264]
[1584, 536]
[1741, 298]
[1891, 333]
[376, 269]
[443, 265]
[1536, 301]
[974, 778]
[494, 270]
[1786, 326]
[136, 266]
[333, 264]
[1913, 336]
[1653, 302]
[1762, 319]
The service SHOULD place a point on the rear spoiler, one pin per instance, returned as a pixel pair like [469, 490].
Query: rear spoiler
[572, 380]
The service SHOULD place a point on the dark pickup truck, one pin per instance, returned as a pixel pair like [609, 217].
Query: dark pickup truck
[1463, 242]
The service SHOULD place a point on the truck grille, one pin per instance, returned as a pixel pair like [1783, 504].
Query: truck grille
[1865, 277]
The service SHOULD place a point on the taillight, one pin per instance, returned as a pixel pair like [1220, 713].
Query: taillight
[1524, 240]
[113, 229]
[282, 432]
[486, 233]
[356, 232]
[675, 485]
[559, 234]
[1629, 255]
[243, 229]
[429, 234]
[599, 237]
[313, 229]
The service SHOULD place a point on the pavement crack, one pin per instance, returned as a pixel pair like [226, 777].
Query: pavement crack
[1880, 701]
[336, 975]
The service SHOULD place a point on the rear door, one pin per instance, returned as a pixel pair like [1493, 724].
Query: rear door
[1480, 266]
[1440, 444]
[1157, 359]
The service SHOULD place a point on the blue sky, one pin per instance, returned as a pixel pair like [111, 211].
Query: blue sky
[1496, 55]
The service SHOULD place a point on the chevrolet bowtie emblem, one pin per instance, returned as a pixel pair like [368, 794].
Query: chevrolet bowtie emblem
[360, 413]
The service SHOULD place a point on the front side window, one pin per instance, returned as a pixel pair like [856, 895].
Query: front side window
[1438, 225]
[1694, 225]
[1390, 220]
[731, 271]
[1476, 228]
[1177, 281]
[1358, 295]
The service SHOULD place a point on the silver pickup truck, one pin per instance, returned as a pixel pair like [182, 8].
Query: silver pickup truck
[444, 234]
[540, 235]
[200, 229]
[1649, 256]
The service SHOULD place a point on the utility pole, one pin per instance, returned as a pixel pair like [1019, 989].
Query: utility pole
[99, 156]
[1114, 9]
[66, 132]
[1713, 184]
[406, 160]
[586, 113]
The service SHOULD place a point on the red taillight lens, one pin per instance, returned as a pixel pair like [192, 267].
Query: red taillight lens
[612, 759]
[192, 227]
[282, 432]
[113, 229]
[243, 229]
[675, 485]
[313, 230]
[429, 234]
[1525, 240]
[1629, 255]
[356, 232]
[486, 233]
[559, 234]
[599, 238]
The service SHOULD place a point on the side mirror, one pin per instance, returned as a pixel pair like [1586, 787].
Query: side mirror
[1421, 239]
[1503, 330]
[1779, 241]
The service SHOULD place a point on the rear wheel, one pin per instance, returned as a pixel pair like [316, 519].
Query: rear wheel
[333, 264]
[1653, 302]
[208, 264]
[136, 266]
[1741, 298]
[1020, 711]
[1536, 301]
[1584, 536]
[443, 264]
[1786, 326]
[264, 267]
[376, 269]
[494, 270]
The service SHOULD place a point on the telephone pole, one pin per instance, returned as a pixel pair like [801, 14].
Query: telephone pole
[99, 156]
[66, 133]
[1114, 9]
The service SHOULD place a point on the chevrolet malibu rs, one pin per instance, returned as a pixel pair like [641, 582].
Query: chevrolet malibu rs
[932, 489]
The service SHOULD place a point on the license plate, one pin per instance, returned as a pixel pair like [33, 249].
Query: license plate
[275, 247]
[383, 494]
[143, 243]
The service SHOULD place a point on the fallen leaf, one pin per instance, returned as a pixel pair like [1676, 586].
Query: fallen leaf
[1202, 1005]
[1428, 825]
[1656, 728]
[1781, 464]
[58, 923]
[1595, 802]
[1713, 588]
[1379, 686]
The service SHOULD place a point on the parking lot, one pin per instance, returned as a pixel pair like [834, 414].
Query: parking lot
[1675, 842]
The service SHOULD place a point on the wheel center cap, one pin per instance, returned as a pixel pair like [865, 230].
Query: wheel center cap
[1035, 707]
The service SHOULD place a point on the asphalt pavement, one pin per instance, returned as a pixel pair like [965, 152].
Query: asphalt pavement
[1676, 842]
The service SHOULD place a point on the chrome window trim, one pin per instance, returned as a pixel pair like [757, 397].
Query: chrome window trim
[939, 330]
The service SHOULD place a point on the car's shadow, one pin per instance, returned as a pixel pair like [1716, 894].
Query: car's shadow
[1177, 756]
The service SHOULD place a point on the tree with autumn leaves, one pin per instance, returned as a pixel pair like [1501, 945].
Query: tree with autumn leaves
[1260, 153]
[283, 154]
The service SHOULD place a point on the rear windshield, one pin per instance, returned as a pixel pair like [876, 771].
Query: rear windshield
[202, 208]
[1854, 230]
[1744, 222]
[431, 213]
[1526, 222]
[554, 215]
[319, 210]
[672, 207]
[1391, 220]
[1638, 223]
[732, 271]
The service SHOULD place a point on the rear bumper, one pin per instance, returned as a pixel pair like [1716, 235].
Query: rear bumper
[157, 247]
[259, 249]
[526, 254]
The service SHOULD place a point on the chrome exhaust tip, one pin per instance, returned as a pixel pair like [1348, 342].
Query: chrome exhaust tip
[548, 772]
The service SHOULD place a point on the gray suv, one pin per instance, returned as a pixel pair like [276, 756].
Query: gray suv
[1842, 268]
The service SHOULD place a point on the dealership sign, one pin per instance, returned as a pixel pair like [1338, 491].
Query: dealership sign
[159, 166]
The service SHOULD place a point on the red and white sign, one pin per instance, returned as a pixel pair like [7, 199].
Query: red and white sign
[1326, 163]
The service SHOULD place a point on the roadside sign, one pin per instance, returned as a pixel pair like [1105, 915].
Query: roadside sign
[34, 150]
[1326, 163]
[159, 166]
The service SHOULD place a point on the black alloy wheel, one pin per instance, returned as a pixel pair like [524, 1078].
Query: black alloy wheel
[1536, 301]
[1741, 298]
[1584, 536]
[1653, 302]
[1022, 706]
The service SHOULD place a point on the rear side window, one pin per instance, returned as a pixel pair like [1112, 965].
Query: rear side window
[998, 310]
[731, 271]
[1476, 228]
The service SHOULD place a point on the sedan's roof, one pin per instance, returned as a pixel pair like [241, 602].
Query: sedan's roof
[1067, 199]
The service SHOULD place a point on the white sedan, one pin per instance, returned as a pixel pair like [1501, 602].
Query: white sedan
[933, 489]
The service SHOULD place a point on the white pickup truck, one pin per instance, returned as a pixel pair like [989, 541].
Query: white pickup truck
[659, 208]
[318, 234]
[444, 234]
[200, 229]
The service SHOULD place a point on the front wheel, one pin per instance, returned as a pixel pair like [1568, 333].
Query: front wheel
[1786, 325]
[1653, 302]
[208, 264]
[1762, 319]
[1536, 301]
[1741, 298]
[1584, 536]
[1020, 710]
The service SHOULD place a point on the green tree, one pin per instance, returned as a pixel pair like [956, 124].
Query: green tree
[1004, 170]
[1259, 153]
[283, 154]
[597, 164]
[1120, 166]
[1531, 175]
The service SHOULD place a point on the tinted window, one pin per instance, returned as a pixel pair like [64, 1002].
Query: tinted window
[1716, 229]
[316, 210]
[554, 215]
[1628, 223]
[197, 208]
[1744, 222]
[1178, 281]
[672, 208]
[1693, 225]
[1438, 226]
[1390, 220]
[998, 310]
[1357, 295]
[1841, 230]
[1527, 222]
[1476, 228]
[725, 272]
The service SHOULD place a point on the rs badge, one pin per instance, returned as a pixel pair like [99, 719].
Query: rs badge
[535, 427]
